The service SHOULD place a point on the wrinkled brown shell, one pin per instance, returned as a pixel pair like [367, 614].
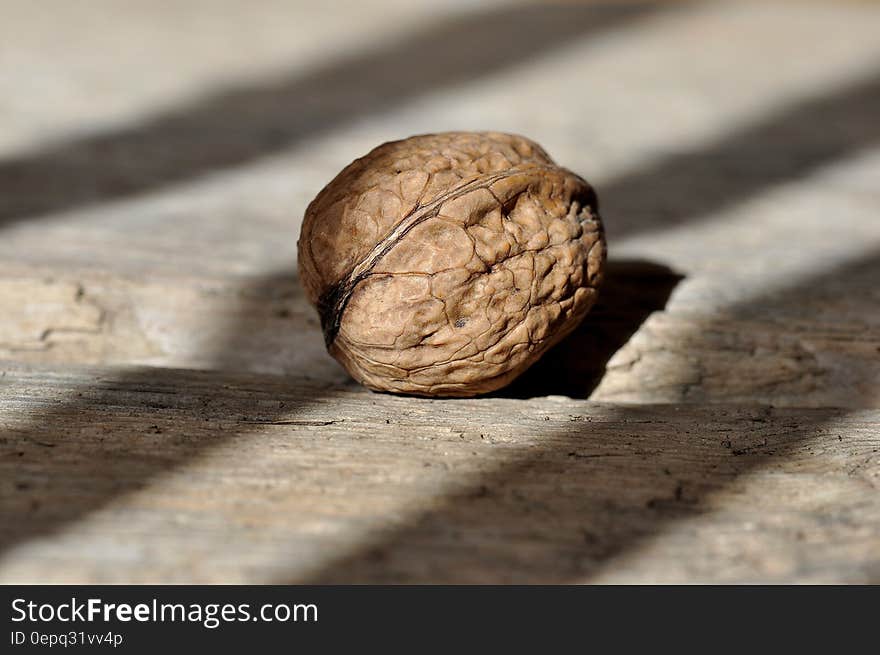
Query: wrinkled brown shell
[446, 264]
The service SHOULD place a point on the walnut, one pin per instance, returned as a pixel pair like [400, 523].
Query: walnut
[447, 264]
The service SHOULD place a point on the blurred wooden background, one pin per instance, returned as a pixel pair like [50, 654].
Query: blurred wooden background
[168, 412]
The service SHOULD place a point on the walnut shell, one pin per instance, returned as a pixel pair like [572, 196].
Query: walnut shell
[447, 264]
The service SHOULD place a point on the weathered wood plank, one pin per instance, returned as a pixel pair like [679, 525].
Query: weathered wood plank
[154, 225]
[815, 343]
[151, 474]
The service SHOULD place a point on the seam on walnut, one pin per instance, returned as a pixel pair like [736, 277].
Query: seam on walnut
[332, 303]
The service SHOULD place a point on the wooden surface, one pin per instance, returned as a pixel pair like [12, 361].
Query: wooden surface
[168, 412]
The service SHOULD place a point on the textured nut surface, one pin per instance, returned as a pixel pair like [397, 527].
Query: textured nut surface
[447, 264]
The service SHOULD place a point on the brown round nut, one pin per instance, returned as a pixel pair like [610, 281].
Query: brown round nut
[447, 264]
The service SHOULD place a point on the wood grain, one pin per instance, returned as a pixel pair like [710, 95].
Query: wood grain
[340, 484]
